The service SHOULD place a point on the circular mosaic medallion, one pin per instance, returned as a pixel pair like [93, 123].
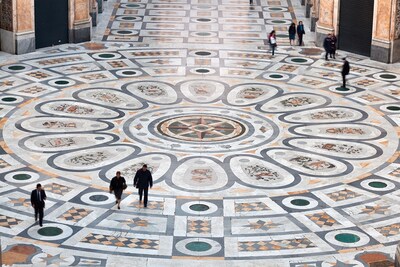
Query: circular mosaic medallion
[198, 246]
[199, 207]
[387, 76]
[61, 82]
[300, 202]
[106, 55]
[128, 73]
[276, 76]
[98, 198]
[16, 68]
[299, 60]
[347, 238]
[21, 177]
[201, 128]
[380, 185]
[342, 90]
[202, 71]
[50, 231]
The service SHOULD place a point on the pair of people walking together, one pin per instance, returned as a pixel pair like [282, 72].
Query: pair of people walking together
[142, 181]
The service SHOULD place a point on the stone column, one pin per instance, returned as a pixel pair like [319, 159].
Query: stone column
[314, 14]
[94, 11]
[17, 26]
[80, 22]
[385, 45]
[308, 8]
[327, 19]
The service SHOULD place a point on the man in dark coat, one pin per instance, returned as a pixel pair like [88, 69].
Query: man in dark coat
[142, 181]
[345, 71]
[118, 184]
[327, 45]
[38, 196]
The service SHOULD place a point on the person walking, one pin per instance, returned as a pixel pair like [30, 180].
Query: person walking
[38, 196]
[345, 71]
[332, 53]
[142, 181]
[251, 2]
[118, 185]
[292, 33]
[300, 32]
[272, 41]
[327, 45]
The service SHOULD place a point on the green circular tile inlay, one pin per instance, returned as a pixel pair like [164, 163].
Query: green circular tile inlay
[203, 53]
[203, 34]
[198, 246]
[199, 207]
[388, 76]
[275, 76]
[50, 231]
[129, 18]
[8, 99]
[278, 21]
[132, 5]
[108, 55]
[299, 60]
[204, 20]
[61, 82]
[377, 184]
[202, 70]
[275, 8]
[342, 89]
[16, 67]
[129, 72]
[347, 238]
[282, 35]
[124, 32]
[21, 176]
[98, 198]
[393, 108]
[300, 202]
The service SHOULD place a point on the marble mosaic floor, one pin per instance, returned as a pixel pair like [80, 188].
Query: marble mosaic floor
[257, 160]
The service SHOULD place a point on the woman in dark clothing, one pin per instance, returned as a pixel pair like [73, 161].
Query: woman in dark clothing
[118, 184]
[300, 32]
[292, 33]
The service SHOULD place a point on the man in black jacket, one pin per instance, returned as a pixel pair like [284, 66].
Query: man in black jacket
[328, 45]
[345, 71]
[142, 181]
[38, 196]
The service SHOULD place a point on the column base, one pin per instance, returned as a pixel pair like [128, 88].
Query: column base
[7, 41]
[17, 43]
[313, 23]
[396, 51]
[320, 34]
[82, 32]
[308, 10]
[25, 43]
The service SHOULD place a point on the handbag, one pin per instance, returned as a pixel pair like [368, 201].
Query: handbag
[124, 186]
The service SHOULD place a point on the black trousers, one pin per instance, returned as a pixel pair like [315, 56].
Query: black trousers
[146, 192]
[300, 39]
[39, 211]
[344, 80]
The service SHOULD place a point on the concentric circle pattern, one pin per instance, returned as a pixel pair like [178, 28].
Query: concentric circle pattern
[256, 159]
